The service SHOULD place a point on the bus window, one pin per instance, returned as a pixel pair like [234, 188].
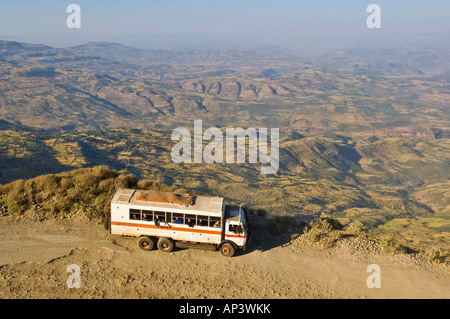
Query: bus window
[135, 214]
[190, 220]
[202, 220]
[214, 222]
[147, 215]
[160, 217]
[177, 218]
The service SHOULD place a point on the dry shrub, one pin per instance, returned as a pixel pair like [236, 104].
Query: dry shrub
[390, 246]
[325, 231]
[86, 190]
[437, 255]
[15, 199]
[47, 184]
[357, 228]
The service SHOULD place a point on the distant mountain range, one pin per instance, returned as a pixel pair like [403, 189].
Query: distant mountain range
[107, 85]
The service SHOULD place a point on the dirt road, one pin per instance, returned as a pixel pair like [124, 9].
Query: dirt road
[34, 257]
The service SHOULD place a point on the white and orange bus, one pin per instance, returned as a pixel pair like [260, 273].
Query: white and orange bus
[163, 219]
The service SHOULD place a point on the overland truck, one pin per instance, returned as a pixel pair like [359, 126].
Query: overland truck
[163, 219]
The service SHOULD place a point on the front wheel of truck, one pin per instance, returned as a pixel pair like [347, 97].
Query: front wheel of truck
[227, 250]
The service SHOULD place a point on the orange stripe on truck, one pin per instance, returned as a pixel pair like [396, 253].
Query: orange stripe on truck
[173, 228]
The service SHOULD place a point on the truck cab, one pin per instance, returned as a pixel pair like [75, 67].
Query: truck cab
[236, 227]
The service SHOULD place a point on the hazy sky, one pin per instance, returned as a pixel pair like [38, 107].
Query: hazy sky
[295, 24]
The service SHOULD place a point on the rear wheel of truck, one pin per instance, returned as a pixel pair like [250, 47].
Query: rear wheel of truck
[227, 250]
[165, 244]
[146, 243]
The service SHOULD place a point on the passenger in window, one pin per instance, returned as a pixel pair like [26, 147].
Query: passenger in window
[146, 217]
[177, 220]
[190, 223]
[201, 222]
[157, 220]
[217, 224]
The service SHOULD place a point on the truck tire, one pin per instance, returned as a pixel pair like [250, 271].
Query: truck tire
[165, 244]
[227, 250]
[146, 243]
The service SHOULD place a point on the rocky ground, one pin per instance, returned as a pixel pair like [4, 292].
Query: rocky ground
[35, 256]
